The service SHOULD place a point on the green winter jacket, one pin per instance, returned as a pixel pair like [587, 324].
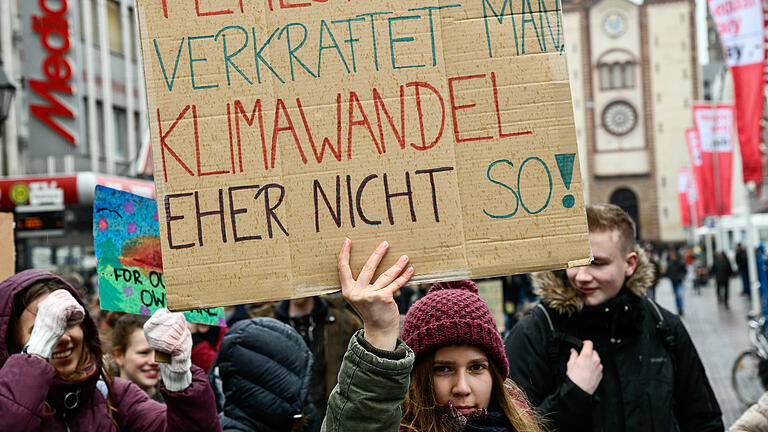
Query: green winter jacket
[372, 385]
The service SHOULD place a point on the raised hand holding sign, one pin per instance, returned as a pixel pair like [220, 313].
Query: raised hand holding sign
[374, 302]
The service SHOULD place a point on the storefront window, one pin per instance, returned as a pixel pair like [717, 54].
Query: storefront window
[114, 28]
[139, 132]
[120, 134]
[95, 22]
[133, 33]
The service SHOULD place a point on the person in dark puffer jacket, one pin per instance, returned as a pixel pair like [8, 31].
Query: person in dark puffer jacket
[273, 396]
[326, 326]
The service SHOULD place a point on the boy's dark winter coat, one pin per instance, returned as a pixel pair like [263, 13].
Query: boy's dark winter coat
[652, 380]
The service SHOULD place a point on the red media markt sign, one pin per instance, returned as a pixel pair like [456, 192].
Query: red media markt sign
[53, 27]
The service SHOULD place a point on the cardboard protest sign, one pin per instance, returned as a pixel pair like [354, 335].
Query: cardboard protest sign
[8, 249]
[280, 127]
[129, 264]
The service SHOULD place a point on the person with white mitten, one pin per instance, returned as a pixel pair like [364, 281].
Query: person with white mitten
[52, 377]
[167, 332]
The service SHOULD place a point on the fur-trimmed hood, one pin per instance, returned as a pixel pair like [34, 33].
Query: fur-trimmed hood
[556, 292]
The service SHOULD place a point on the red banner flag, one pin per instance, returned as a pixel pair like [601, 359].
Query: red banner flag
[695, 202]
[702, 178]
[683, 185]
[741, 28]
[715, 138]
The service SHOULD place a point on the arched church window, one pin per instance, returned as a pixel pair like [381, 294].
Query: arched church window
[629, 75]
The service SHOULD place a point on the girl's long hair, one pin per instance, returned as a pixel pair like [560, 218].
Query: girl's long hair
[422, 414]
[91, 342]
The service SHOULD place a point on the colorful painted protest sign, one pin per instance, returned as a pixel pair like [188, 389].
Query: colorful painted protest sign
[281, 127]
[129, 262]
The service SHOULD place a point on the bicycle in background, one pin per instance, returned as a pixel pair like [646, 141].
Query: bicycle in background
[745, 373]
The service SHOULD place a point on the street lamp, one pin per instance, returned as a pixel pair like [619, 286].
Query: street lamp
[7, 90]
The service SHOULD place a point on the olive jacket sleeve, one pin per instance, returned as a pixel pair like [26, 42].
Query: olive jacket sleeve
[372, 385]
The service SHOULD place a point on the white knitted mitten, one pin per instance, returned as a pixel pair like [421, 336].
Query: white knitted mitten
[167, 332]
[55, 314]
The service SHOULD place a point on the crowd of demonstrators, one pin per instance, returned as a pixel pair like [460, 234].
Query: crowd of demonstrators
[595, 353]
[676, 272]
[598, 355]
[273, 397]
[326, 326]
[446, 370]
[134, 359]
[52, 376]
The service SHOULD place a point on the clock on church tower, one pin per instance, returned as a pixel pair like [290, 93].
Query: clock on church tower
[614, 24]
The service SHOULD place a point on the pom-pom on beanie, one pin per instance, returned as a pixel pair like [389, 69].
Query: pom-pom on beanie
[453, 314]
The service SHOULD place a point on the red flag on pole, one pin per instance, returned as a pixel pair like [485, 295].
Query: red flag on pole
[695, 203]
[683, 185]
[702, 178]
[715, 138]
[741, 28]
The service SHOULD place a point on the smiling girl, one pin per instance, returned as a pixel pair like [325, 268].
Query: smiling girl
[52, 377]
[446, 371]
[134, 358]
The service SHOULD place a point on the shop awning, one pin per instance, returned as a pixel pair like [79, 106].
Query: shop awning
[78, 188]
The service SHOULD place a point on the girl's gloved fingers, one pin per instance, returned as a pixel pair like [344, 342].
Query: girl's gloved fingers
[181, 347]
[186, 344]
[62, 298]
[59, 300]
[75, 315]
[165, 331]
[60, 309]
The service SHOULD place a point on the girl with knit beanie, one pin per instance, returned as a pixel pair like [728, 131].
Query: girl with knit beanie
[446, 371]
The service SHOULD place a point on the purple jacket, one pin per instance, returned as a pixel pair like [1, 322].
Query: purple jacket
[28, 382]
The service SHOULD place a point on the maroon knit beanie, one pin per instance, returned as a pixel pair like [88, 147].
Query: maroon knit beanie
[453, 314]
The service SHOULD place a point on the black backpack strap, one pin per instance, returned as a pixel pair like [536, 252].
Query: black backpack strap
[656, 309]
[557, 337]
[666, 335]
[546, 315]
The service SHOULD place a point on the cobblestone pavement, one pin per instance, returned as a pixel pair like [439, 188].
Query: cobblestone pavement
[718, 334]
